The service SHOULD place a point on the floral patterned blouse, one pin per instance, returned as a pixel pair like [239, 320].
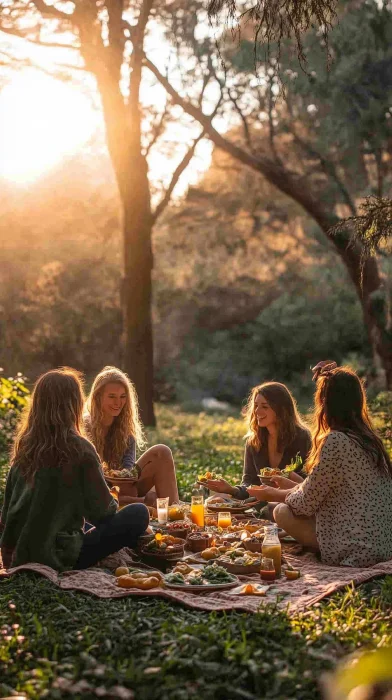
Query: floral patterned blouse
[352, 503]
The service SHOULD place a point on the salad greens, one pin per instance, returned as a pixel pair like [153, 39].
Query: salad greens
[296, 464]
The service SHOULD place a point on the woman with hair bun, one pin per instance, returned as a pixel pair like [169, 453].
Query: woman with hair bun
[275, 436]
[113, 425]
[344, 506]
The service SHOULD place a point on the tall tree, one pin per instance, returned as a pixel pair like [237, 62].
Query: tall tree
[110, 38]
[324, 140]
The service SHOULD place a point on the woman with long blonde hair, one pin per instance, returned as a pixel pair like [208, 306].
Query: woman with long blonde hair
[113, 425]
[55, 483]
[275, 436]
[344, 506]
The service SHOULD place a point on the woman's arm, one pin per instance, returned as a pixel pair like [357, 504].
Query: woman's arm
[129, 457]
[98, 501]
[269, 493]
[6, 552]
[309, 496]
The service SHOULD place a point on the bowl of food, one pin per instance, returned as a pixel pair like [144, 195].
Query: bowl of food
[253, 543]
[197, 541]
[179, 528]
[165, 546]
[177, 511]
[267, 475]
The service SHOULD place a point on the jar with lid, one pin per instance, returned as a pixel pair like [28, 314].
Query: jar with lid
[271, 547]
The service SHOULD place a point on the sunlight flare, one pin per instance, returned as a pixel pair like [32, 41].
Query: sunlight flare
[42, 120]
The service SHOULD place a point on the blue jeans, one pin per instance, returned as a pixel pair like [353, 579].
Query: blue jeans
[120, 530]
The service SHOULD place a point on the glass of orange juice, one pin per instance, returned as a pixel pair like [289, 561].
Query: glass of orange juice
[224, 520]
[197, 510]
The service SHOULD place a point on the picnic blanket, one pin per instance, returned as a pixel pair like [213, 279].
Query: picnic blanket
[316, 582]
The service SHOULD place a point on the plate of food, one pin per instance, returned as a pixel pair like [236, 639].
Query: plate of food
[208, 476]
[117, 477]
[267, 475]
[231, 506]
[210, 578]
[239, 561]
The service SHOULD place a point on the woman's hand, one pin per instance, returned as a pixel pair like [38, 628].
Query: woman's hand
[297, 478]
[282, 482]
[219, 485]
[264, 493]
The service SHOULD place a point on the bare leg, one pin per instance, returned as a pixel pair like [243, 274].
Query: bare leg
[301, 528]
[158, 473]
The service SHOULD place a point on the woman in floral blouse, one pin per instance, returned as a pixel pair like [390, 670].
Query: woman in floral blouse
[344, 506]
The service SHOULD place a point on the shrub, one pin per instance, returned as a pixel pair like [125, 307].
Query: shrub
[13, 398]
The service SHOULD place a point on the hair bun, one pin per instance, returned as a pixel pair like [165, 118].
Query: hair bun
[323, 369]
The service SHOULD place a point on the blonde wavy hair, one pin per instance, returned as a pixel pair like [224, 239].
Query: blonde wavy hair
[283, 403]
[111, 447]
[340, 404]
[50, 420]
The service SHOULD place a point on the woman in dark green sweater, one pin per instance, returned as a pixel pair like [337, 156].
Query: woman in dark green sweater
[56, 482]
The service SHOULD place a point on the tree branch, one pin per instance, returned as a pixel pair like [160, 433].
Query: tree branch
[243, 118]
[284, 180]
[51, 11]
[157, 129]
[23, 34]
[176, 176]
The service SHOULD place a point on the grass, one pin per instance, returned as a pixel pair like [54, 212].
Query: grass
[66, 644]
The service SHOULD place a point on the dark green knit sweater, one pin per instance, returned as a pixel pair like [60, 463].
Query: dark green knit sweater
[44, 523]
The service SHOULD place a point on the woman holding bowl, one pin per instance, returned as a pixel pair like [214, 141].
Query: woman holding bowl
[343, 508]
[275, 436]
[113, 425]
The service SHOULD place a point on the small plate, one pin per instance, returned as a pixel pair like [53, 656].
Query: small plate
[199, 589]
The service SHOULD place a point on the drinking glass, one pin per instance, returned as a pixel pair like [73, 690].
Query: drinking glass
[162, 508]
[197, 510]
[267, 569]
[224, 519]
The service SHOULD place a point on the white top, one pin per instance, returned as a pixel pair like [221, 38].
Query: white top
[352, 503]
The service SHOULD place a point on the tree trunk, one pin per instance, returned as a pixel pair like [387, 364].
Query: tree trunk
[137, 289]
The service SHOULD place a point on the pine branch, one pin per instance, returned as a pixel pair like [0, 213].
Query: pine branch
[372, 229]
[276, 20]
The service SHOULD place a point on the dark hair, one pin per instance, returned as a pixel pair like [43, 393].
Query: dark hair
[340, 404]
[283, 404]
[52, 417]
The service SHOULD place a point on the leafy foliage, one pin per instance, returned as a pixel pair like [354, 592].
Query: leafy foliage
[273, 21]
[13, 398]
[372, 228]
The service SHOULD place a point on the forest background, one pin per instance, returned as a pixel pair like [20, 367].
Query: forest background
[246, 285]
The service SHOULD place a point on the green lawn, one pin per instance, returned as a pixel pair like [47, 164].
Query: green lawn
[58, 645]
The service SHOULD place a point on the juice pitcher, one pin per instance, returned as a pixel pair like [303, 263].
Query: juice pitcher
[271, 547]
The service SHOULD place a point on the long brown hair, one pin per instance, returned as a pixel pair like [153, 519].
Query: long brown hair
[283, 403]
[111, 447]
[340, 404]
[52, 416]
